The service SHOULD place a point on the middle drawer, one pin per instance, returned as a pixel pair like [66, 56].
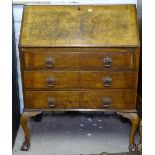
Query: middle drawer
[79, 79]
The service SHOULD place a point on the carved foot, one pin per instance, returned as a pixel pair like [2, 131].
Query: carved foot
[140, 134]
[38, 118]
[140, 147]
[25, 146]
[124, 120]
[133, 148]
[23, 121]
[133, 117]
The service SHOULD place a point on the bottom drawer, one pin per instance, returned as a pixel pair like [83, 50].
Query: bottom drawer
[96, 99]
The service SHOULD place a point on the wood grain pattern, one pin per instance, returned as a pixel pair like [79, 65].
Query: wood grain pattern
[80, 99]
[36, 58]
[78, 79]
[107, 25]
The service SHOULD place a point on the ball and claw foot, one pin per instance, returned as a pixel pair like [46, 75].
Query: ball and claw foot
[133, 148]
[140, 147]
[25, 146]
[38, 118]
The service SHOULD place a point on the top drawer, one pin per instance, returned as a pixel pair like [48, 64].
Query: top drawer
[103, 58]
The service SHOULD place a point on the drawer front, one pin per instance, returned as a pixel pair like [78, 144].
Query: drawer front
[103, 60]
[108, 100]
[78, 79]
[53, 99]
[97, 99]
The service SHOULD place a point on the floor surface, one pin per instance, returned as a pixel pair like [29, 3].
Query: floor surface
[72, 134]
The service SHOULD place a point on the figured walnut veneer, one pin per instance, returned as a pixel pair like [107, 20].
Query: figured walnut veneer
[88, 26]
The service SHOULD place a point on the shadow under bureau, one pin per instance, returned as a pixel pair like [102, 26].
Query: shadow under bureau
[82, 58]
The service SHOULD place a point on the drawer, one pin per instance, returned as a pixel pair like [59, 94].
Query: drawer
[79, 79]
[97, 99]
[108, 59]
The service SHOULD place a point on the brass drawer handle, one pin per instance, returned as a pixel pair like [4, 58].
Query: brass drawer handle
[106, 102]
[107, 81]
[50, 82]
[49, 62]
[51, 102]
[107, 61]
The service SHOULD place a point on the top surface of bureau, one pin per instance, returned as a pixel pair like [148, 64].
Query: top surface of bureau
[79, 26]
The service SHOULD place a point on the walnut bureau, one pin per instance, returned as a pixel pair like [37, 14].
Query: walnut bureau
[79, 58]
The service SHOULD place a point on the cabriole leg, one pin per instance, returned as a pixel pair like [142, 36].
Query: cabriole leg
[23, 121]
[133, 117]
